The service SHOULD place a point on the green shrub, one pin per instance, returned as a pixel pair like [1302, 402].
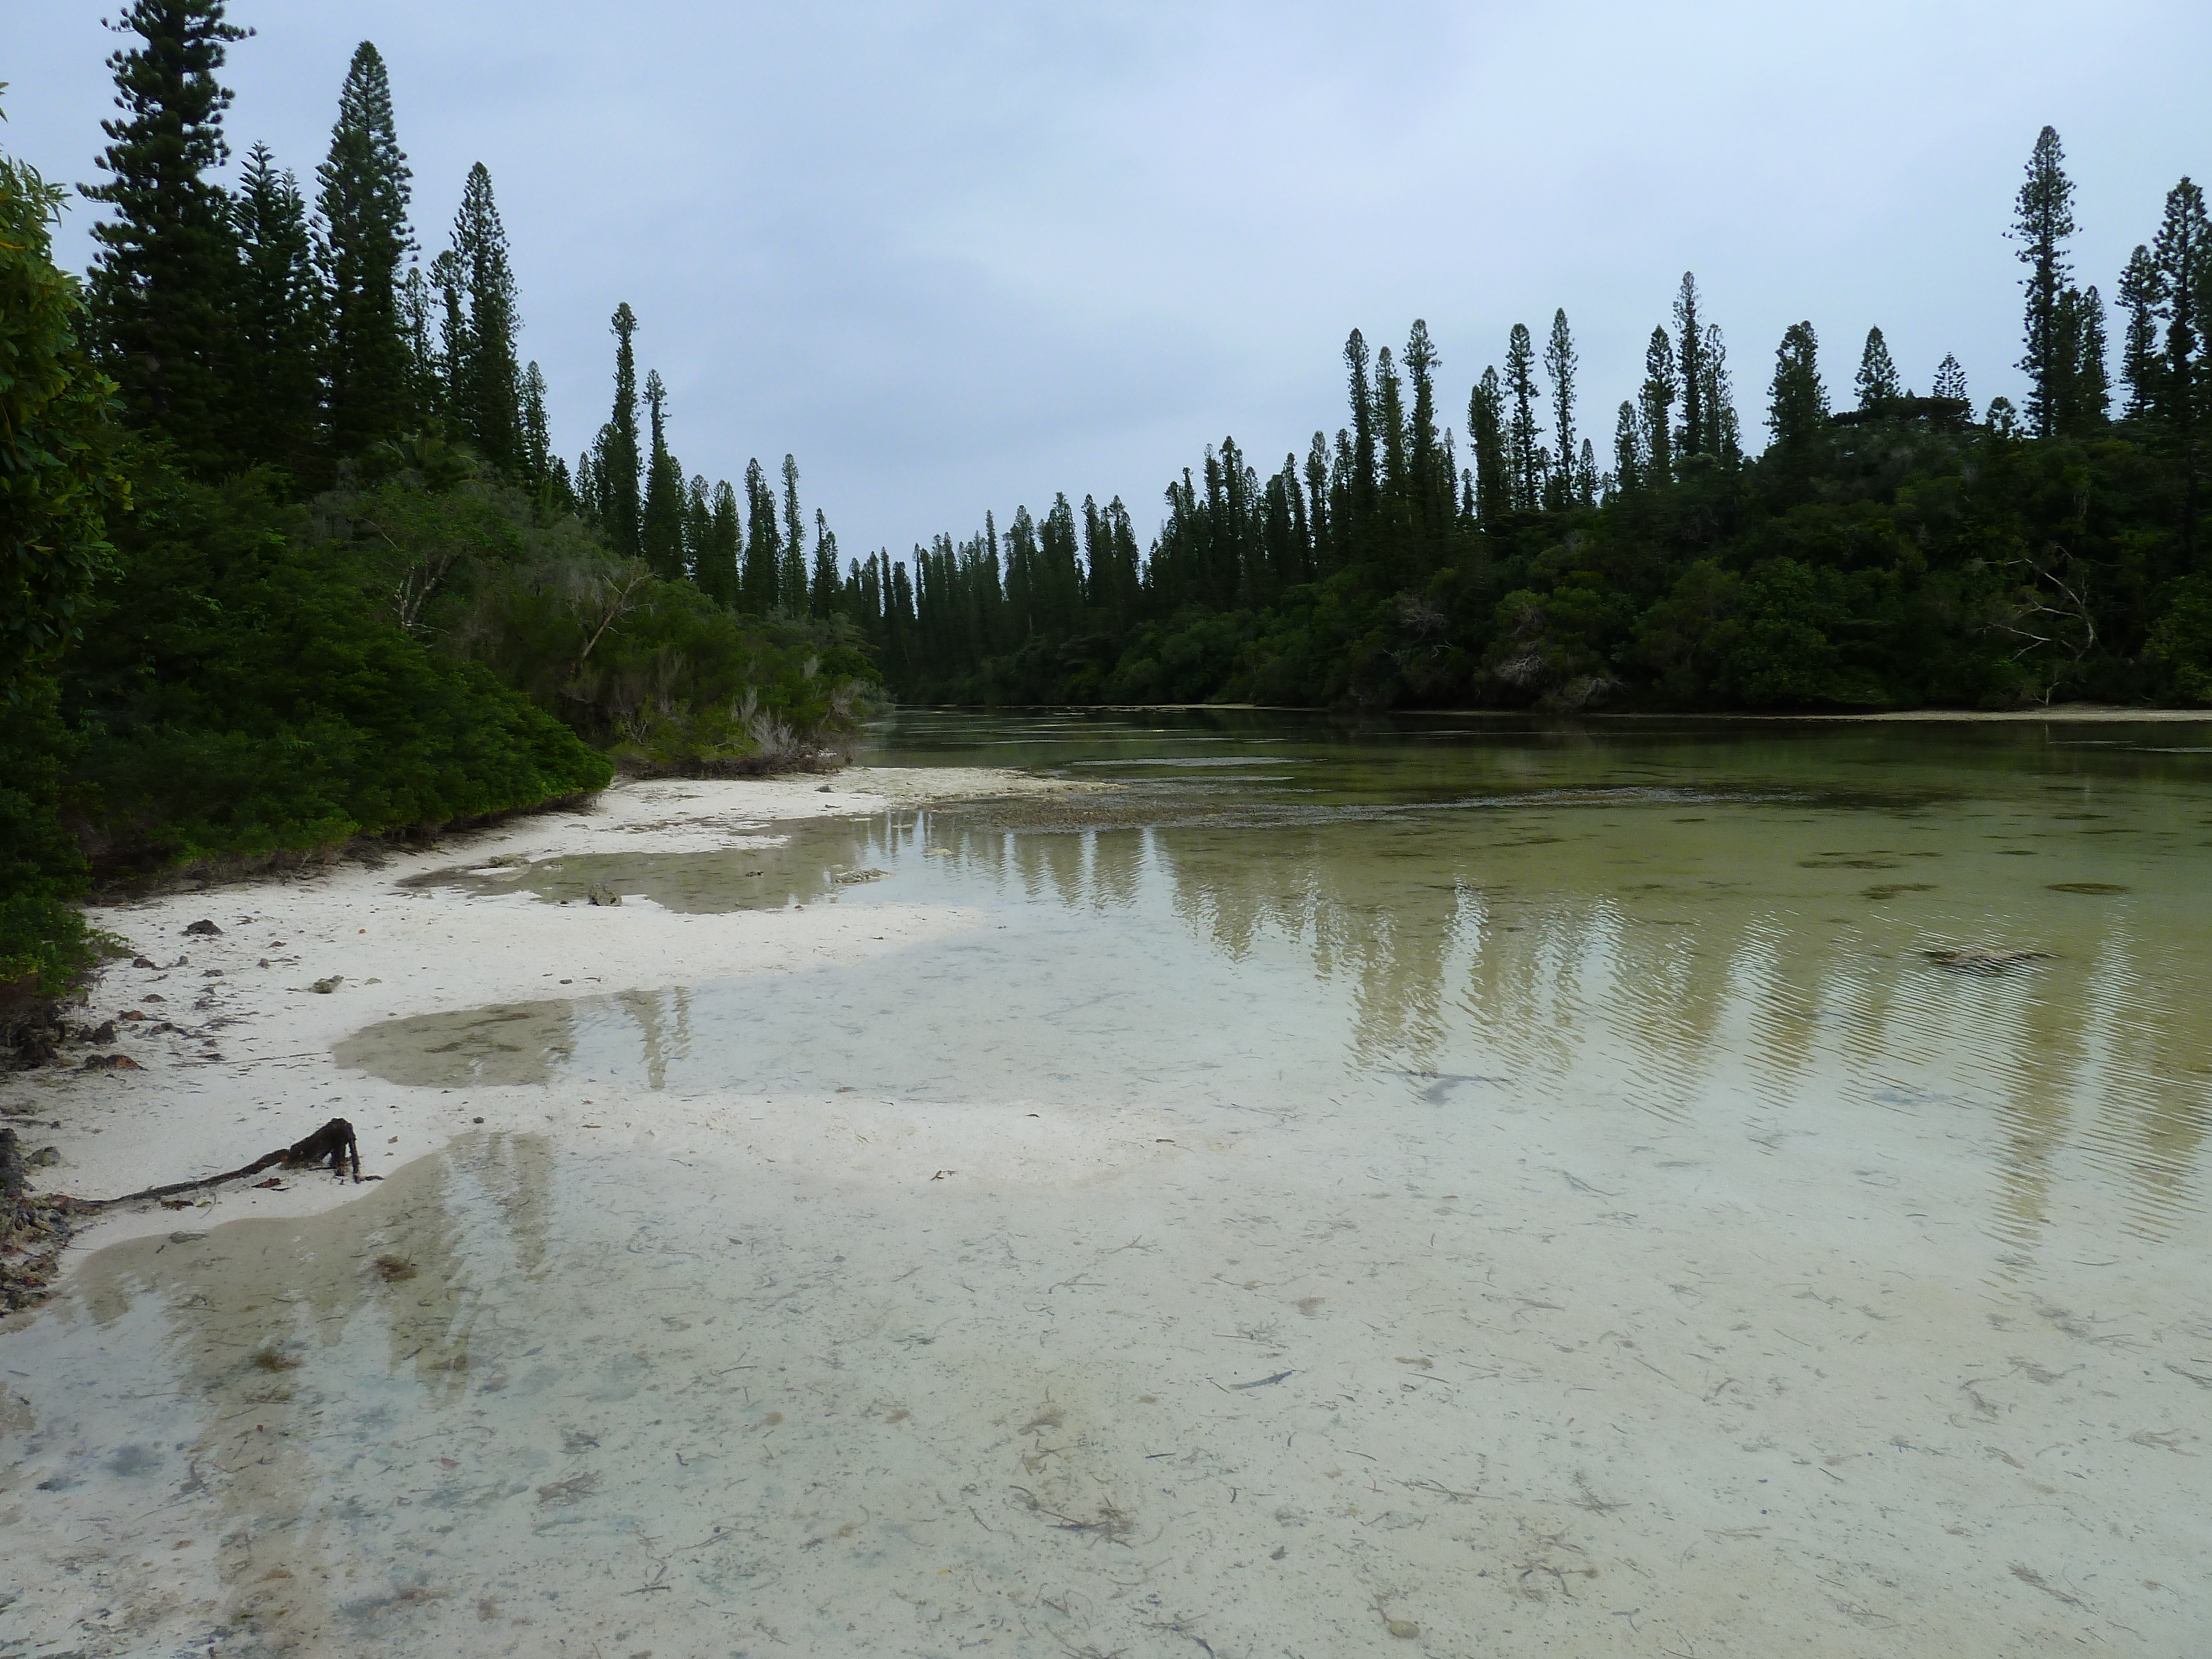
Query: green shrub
[238, 694]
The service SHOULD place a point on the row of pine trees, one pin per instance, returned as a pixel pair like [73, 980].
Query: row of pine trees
[257, 327]
[265, 326]
[274, 325]
[1393, 496]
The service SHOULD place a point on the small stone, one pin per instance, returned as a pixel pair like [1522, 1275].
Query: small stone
[323, 987]
[104, 1032]
[604, 895]
[1405, 1628]
[145, 962]
[204, 927]
[45, 1159]
[111, 1063]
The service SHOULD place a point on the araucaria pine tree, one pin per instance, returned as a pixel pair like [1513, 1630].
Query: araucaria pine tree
[662, 526]
[1878, 386]
[1695, 436]
[365, 188]
[822, 591]
[2042, 220]
[1361, 483]
[2084, 399]
[617, 464]
[1429, 469]
[537, 433]
[2140, 356]
[1951, 386]
[276, 393]
[2181, 261]
[1486, 435]
[1559, 363]
[1797, 403]
[1521, 444]
[484, 390]
[1627, 449]
[717, 573]
[791, 566]
[1722, 434]
[1655, 408]
[757, 588]
[425, 322]
[162, 288]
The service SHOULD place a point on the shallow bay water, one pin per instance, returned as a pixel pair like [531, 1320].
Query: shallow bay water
[1444, 1185]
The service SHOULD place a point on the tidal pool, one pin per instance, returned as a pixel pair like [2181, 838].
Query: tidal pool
[1666, 1187]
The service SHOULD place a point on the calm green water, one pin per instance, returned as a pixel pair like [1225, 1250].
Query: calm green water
[1677, 919]
[1426, 1188]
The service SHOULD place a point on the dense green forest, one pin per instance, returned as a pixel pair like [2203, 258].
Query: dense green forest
[289, 559]
[1899, 552]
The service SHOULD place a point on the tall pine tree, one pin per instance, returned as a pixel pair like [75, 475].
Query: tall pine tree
[1723, 435]
[485, 387]
[366, 189]
[661, 530]
[1486, 436]
[821, 594]
[2181, 258]
[1559, 363]
[1363, 427]
[164, 277]
[617, 464]
[2140, 358]
[1655, 406]
[1627, 449]
[725, 546]
[277, 393]
[791, 566]
[2083, 401]
[2042, 220]
[1430, 472]
[1951, 386]
[1521, 444]
[757, 588]
[1696, 434]
[1797, 402]
[537, 456]
[1878, 386]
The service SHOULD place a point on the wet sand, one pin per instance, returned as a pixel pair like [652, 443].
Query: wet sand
[250, 1069]
[702, 1370]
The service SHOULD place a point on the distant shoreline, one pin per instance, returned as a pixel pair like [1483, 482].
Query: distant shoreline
[2064, 713]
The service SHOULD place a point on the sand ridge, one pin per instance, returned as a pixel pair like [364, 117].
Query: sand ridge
[249, 1066]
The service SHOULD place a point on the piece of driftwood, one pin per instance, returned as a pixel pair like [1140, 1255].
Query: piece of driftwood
[333, 1142]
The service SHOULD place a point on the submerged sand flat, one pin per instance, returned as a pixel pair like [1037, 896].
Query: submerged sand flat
[1586, 1225]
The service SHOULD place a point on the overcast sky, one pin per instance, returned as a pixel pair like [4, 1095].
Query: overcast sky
[958, 256]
